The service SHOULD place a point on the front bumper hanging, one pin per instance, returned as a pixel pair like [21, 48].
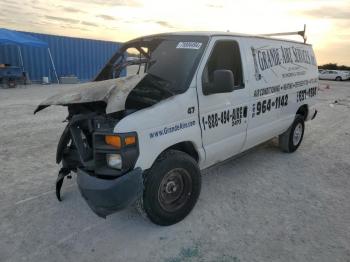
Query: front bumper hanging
[105, 196]
[61, 175]
[82, 149]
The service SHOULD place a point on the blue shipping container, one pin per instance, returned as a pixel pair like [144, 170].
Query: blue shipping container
[83, 58]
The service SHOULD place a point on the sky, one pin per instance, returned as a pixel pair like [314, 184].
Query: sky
[328, 21]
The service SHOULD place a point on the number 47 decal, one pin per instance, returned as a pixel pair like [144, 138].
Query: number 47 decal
[190, 110]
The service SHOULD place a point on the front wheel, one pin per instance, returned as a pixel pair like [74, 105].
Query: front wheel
[338, 78]
[172, 187]
[290, 140]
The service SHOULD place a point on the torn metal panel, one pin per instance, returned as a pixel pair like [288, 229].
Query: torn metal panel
[113, 92]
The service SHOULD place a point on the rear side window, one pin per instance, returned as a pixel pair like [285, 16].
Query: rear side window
[225, 55]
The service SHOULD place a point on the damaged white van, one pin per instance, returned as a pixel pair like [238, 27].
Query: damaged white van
[195, 99]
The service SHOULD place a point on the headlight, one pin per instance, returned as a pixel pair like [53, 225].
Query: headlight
[122, 150]
[114, 161]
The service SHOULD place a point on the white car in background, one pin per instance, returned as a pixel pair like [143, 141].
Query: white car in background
[334, 75]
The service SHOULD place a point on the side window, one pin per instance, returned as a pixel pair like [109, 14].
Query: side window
[225, 55]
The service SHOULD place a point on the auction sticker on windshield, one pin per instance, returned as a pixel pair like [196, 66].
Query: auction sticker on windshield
[189, 45]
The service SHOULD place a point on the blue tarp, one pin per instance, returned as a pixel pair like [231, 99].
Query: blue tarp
[83, 58]
[17, 38]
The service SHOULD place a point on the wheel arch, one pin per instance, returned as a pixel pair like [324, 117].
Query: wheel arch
[303, 111]
[186, 147]
[339, 77]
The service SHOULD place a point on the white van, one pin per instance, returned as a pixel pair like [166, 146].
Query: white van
[196, 99]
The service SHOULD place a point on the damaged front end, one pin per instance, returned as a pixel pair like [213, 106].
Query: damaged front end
[87, 145]
[84, 148]
[103, 160]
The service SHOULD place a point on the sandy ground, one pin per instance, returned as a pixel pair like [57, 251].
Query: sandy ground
[263, 206]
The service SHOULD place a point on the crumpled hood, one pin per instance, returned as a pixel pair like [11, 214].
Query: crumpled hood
[113, 92]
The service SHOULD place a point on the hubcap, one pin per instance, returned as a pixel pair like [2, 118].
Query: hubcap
[298, 132]
[175, 189]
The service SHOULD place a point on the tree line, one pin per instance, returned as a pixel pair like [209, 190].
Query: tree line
[334, 66]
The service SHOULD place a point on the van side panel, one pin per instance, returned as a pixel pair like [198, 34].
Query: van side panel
[282, 76]
[279, 77]
[165, 124]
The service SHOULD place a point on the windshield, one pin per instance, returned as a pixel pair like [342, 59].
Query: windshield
[175, 61]
[172, 59]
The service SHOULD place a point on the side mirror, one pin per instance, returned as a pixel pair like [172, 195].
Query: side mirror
[223, 82]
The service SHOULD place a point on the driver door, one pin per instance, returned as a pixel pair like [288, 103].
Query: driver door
[223, 116]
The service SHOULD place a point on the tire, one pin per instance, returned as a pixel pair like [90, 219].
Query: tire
[290, 140]
[338, 78]
[172, 187]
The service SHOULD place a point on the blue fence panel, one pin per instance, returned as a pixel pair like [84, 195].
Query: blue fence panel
[83, 58]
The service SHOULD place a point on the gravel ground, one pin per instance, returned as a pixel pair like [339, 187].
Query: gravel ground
[264, 206]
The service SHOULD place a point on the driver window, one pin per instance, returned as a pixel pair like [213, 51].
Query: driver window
[225, 55]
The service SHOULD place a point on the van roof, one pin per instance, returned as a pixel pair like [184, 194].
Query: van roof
[219, 33]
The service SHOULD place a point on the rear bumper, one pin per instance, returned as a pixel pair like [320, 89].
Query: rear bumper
[106, 196]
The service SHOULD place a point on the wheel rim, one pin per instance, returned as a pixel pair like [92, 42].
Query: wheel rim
[175, 189]
[298, 132]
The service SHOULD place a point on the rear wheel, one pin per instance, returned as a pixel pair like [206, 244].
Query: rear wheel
[172, 187]
[290, 140]
[338, 78]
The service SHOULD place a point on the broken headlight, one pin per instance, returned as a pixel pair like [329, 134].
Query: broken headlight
[116, 151]
[114, 161]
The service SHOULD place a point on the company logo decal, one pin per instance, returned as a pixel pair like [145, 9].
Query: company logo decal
[268, 57]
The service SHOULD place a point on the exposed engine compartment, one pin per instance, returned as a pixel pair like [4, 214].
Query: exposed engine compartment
[148, 92]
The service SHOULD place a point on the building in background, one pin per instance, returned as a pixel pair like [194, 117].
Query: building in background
[72, 56]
